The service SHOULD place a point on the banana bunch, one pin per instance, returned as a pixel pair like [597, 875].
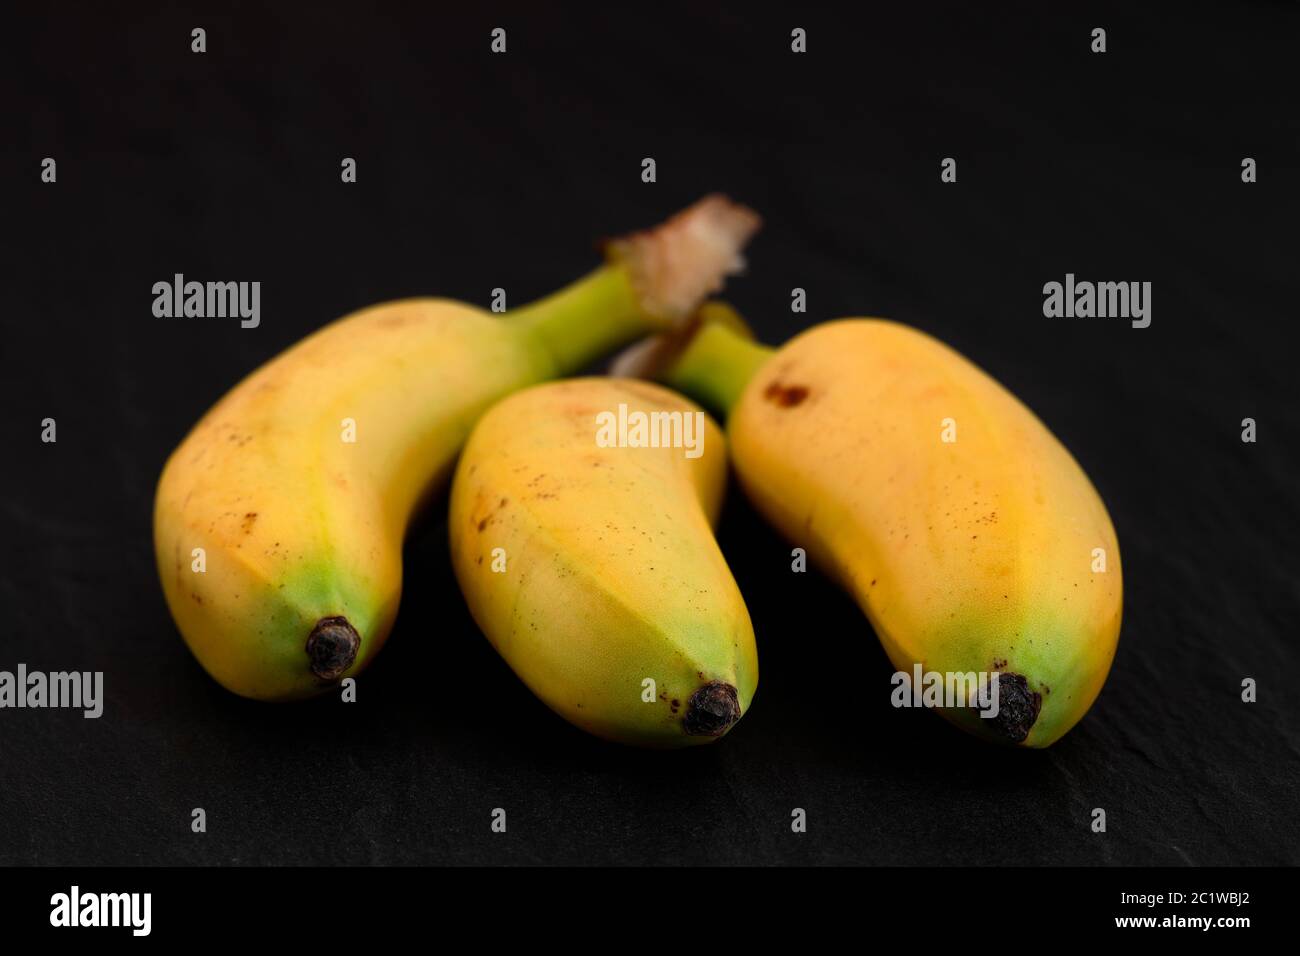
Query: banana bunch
[279, 521]
[582, 511]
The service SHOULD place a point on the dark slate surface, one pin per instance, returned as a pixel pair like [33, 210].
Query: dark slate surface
[479, 171]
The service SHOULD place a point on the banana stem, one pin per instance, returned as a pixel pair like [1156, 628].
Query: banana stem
[584, 320]
[715, 366]
[653, 282]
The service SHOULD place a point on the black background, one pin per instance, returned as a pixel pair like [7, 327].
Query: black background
[478, 171]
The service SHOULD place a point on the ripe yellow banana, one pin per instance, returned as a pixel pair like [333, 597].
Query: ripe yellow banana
[968, 534]
[278, 522]
[592, 567]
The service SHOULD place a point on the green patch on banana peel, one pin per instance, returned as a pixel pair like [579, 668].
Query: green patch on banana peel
[1038, 694]
[305, 643]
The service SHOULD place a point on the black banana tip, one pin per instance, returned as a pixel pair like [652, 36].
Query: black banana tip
[332, 647]
[1018, 708]
[711, 710]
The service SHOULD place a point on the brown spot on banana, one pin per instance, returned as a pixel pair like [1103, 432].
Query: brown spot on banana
[786, 396]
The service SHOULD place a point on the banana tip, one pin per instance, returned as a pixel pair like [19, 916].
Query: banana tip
[332, 647]
[1018, 707]
[711, 710]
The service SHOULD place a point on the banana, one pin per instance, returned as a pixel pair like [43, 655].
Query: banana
[592, 567]
[279, 520]
[967, 533]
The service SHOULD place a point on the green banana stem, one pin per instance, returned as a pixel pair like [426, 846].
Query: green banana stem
[653, 281]
[715, 366]
[584, 320]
